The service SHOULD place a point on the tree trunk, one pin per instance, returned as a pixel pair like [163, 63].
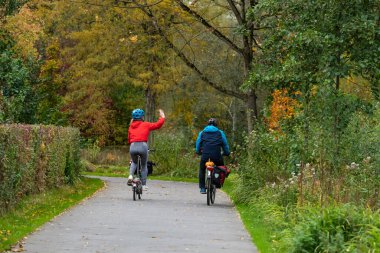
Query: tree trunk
[234, 117]
[252, 111]
[150, 106]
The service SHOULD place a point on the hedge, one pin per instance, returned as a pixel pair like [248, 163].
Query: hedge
[34, 158]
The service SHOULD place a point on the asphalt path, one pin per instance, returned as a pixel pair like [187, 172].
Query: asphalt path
[170, 217]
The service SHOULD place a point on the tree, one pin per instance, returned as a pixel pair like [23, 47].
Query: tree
[318, 42]
[9, 7]
[17, 102]
[311, 47]
[18, 99]
[111, 58]
[233, 15]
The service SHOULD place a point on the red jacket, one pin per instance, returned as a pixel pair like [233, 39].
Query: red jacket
[139, 130]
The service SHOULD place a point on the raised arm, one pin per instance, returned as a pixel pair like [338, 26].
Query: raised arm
[159, 123]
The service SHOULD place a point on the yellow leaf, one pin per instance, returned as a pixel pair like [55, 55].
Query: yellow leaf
[133, 39]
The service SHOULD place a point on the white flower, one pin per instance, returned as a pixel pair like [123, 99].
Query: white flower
[354, 165]
[367, 159]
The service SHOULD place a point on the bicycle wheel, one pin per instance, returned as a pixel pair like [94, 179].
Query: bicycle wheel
[208, 191]
[139, 192]
[134, 193]
[213, 193]
[139, 186]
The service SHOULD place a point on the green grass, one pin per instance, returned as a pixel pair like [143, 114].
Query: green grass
[177, 179]
[35, 210]
[109, 171]
[104, 174]
[150, 177]
[118, 171]
[253, 219]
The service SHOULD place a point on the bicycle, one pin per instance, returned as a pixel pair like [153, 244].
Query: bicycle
[214, 179]
[210, 187]
[137, 188]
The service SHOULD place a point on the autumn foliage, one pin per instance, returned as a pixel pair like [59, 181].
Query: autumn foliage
[283, 107]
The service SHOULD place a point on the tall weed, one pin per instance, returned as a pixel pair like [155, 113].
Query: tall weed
[332, 229]
[174, 155]
[301, 167]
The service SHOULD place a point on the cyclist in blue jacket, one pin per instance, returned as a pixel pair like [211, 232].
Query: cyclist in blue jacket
[210, 142]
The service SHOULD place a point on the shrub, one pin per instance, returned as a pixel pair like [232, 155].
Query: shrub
[269, 158]
[310, 160]
[35, 158]
[109, 155]
[333, 229]
[91, 152]
[174, 155]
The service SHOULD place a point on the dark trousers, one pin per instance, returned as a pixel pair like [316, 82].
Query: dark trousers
[218, 161]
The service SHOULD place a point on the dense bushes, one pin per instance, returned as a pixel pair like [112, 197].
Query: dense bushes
[34, 158]
[174, 155]
[316, 177]
[332, 229]
[318, 164]
[109, 155]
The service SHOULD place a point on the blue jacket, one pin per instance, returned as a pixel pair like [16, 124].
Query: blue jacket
[210, 141]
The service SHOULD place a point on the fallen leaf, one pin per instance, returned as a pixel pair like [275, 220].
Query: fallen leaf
[18, 248]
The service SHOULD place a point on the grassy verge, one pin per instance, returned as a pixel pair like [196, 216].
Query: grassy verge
[118, 171]
[109, 171]
[253, 219]
[150, 177]
[33, 211]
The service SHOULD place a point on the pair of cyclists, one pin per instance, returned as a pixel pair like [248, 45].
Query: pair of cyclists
[209, 144]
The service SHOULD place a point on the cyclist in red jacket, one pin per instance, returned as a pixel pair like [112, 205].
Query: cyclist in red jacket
[138, 134]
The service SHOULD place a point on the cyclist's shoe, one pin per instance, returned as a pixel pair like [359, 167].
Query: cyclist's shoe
[145, 188]
[203, 190]
[130, 179]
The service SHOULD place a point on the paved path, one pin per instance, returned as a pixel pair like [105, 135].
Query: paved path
[171, 217]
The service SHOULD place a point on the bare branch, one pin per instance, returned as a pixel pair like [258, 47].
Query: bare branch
[187, 41]
[136, 5]
[236, 12]
[212, 29]
[191, 65]
[256, 42]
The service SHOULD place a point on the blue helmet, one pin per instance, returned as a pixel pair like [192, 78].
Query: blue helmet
[137, 114]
